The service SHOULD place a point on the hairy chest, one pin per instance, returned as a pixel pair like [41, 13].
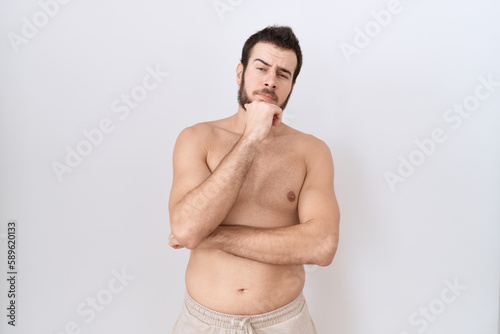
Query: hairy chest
[275, 178]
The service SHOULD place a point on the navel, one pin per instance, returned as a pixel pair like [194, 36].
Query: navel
[291, 196]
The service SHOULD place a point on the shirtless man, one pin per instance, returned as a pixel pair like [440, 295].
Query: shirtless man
[253, 200]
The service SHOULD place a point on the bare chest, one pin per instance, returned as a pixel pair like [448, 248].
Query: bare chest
[274, 180]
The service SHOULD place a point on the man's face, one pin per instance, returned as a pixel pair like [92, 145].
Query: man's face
[268, 75]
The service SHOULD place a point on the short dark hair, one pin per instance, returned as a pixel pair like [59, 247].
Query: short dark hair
[280, 36]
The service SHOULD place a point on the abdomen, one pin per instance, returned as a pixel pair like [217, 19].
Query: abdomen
[230, 284]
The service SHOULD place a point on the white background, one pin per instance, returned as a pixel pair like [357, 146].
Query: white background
[109, 213]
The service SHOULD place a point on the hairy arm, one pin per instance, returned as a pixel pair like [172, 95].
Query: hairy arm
[313, 241]
[200, 200]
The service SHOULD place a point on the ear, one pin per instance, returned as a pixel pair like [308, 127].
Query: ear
[239, 73]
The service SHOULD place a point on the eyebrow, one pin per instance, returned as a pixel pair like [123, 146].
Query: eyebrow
[280, 68]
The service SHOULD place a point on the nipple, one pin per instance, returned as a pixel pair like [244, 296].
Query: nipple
[291, 196]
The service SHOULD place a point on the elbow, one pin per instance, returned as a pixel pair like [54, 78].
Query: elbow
[327, 259]
[325, 252]
[183, 233]
[185, 238]
[191, 244]
[187, 241]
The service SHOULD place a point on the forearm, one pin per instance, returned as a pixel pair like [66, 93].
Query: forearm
[306, 243]
[205, 207]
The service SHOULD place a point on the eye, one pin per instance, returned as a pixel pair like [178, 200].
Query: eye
[283, 76]
[260, 68]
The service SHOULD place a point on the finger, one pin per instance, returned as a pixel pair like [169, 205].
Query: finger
[277, 118]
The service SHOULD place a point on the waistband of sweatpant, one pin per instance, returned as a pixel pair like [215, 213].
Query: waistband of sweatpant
[230, 321]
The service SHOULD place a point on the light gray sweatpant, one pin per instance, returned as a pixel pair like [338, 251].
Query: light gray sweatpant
[292, 318]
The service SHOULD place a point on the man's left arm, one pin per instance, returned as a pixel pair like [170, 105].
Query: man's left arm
[313, 241]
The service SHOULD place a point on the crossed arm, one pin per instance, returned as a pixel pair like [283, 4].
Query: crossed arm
[198, 206]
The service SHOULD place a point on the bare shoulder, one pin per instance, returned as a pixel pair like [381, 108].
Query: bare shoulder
[199, 134]
[197, 131]
[206, 130]
[310, 146]
[191, 144]
[199, 139]
[317, 158]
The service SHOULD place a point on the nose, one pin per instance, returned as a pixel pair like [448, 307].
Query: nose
[270, 81]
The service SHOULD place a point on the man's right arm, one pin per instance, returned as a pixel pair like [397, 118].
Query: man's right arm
[200, 200]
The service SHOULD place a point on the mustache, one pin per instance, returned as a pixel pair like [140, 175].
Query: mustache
[268, 92]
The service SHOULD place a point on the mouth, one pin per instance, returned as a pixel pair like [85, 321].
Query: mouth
[267, 97]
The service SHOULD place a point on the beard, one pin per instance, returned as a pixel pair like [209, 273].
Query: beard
[244, 99]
